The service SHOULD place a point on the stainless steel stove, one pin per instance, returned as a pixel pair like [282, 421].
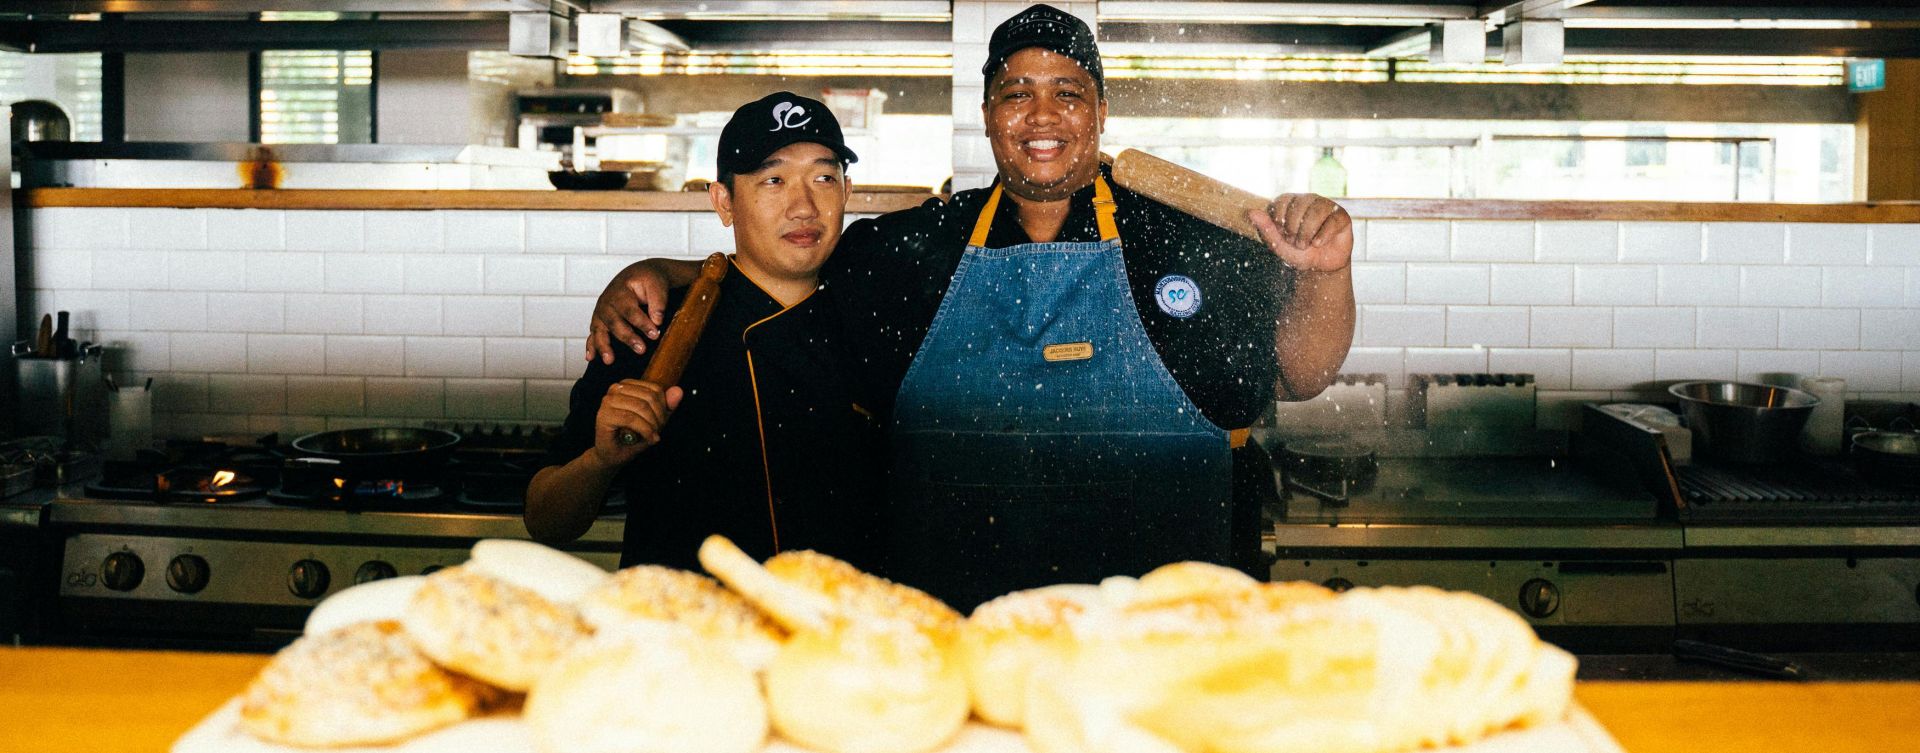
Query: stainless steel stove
[224, 545]
[1603, 542]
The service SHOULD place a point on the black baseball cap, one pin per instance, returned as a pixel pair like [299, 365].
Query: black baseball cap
[1047, 27]
[768, 124]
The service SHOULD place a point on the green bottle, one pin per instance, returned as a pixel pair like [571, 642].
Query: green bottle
[1328, 177]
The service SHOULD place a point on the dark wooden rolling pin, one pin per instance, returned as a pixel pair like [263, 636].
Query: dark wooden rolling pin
[676, 346]
[1189, 191]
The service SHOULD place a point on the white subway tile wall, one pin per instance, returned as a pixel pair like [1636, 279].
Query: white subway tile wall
[1578, 242]
[300, 320]
[1746, 243]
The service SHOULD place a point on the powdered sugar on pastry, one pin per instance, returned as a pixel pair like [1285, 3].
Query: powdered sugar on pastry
[490, 629]
[650, 593]
[364, 684]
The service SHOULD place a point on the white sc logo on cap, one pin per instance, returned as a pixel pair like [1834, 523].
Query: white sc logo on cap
[785, 113]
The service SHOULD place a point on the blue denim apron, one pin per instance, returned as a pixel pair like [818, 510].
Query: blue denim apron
[1037, 436]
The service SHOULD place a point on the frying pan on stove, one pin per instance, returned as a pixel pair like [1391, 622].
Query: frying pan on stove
[1330, 470]
[379, 451]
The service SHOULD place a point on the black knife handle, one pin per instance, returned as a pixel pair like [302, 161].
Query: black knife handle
[1735, 659]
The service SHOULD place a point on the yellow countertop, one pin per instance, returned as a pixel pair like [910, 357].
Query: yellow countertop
[64, 700]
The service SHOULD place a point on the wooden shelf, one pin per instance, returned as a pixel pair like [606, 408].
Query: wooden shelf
[592, 201]
[872, 202]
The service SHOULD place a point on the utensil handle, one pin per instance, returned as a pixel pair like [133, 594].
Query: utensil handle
[1188, 191]
[676, 346]
[1733, 658]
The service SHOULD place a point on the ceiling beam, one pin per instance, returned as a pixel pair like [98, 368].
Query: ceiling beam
[247, 7]
[1839, 43]
[133, 35]
[1412, 42]
[1855, 11]
[1276, 12]
[778, 34]
[901, 10]
[1508, 11]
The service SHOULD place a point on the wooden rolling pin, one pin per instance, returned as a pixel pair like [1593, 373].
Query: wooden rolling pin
[1189, 191]
[676, 346]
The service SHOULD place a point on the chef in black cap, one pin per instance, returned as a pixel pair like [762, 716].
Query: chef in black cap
[1071, 363]
[764, 439]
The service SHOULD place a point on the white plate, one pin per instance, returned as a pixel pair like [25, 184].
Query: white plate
[220, 732]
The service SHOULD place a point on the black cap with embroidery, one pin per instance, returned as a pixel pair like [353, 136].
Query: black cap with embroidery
[1046, 27]
[768, 124]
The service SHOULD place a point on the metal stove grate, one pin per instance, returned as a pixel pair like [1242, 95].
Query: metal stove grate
[1827, 490]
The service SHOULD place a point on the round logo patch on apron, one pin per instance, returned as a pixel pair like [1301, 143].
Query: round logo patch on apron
[1177, 295]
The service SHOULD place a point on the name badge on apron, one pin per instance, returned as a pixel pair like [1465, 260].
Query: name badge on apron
[1079, 351]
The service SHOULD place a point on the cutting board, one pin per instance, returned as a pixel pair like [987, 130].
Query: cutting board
[220, 733]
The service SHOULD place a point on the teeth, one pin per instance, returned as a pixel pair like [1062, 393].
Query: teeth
[1044, 144]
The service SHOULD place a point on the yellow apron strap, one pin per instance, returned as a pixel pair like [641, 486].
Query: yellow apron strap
[1237, 438]
[1103, 209]
[985, 223]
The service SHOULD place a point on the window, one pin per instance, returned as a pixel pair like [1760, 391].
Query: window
[1648, 151]
[316, 97]
[1509, 159]
[70, 81]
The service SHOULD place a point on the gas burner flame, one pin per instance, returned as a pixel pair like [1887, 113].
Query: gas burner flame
[220, 479]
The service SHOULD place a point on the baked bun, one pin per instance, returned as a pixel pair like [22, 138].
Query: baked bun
[1182, 580]
[363, 684]
[804, 590]
[1292, 667]
[658, 689]
[554, 574]
[368, 602]
[648, 595]
[493, 630]
[867, 686]
[1004, 639]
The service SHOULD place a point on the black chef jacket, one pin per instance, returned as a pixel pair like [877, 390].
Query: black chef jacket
[769, 447]
[890, 274]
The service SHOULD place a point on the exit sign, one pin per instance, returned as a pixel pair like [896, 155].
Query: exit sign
[1866, 76]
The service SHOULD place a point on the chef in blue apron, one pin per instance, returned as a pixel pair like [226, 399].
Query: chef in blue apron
[1071, 363]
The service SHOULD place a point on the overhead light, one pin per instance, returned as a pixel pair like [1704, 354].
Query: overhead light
[1715, 23]
[1534, 42]
[601, 34]
[539, 35]
[1458, 42]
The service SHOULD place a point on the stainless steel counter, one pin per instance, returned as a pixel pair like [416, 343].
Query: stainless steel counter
[268, 518]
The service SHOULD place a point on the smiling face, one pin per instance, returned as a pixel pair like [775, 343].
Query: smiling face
[786, 214]
[1044, 118]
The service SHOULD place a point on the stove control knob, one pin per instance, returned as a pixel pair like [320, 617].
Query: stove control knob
[308, 579]
[123, 571]
[188, 573]
[1539, 598]
[1337, 584]
[374, 570]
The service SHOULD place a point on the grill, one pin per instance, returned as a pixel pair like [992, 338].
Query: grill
[1807, 489]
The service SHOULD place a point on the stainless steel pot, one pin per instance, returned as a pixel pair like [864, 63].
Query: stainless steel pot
[40, 120]
[1889, 457]
[1743, 422]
